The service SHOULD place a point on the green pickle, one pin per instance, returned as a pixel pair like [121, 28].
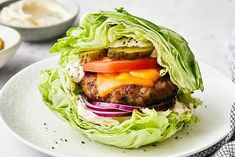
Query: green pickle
[92, 55]
[129, 52]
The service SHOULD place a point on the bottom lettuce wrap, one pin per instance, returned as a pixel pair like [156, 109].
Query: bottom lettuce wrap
[63, 97]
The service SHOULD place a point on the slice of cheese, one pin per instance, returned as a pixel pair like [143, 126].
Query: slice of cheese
[107, 82]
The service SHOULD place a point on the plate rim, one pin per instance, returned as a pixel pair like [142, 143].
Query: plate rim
[49, 152]
[12, 132]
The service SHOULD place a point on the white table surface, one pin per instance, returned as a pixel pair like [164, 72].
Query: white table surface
[204, 24]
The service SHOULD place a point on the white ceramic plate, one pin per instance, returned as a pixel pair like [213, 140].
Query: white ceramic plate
[24, 113]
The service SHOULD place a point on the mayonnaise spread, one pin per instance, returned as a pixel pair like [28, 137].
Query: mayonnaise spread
[34, 13]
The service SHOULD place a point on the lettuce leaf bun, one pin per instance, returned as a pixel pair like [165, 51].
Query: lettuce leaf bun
[101, 30]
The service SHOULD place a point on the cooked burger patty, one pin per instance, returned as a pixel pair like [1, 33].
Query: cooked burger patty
[163, 90]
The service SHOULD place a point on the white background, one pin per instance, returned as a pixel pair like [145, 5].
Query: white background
[204, 24]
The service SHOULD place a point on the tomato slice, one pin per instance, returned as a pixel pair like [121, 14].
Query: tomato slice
[110, 66]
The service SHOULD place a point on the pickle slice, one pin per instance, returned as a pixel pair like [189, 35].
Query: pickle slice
[129, 52]
[90, 56]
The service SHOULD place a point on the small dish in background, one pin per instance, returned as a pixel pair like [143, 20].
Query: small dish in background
[1, 44]
[42, 33]
[12, 41]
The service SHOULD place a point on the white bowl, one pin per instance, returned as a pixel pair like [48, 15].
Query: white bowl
[43, 33]
[12, 41]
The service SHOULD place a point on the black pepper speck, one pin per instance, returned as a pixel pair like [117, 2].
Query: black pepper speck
[83, 142]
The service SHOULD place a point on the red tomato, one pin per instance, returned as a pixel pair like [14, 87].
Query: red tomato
[110, 66]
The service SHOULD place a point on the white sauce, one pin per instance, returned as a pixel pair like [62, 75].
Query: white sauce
[180, 108]
[110, 122]
[75, 71]
[34, 13]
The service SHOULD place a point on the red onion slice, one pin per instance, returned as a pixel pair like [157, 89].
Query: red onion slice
[105, 112]
[163, 105]
[111, 114]
[118, 110]
[93, 107]
[114, 106]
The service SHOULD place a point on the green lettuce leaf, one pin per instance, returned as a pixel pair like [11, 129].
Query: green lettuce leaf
[98, 30]
[61, 95]
[187, 98]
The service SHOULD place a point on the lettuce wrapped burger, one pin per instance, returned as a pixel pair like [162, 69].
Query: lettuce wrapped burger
[122, 80]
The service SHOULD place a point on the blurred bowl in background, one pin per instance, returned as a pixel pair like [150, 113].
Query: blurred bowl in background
[12, 41]
[42, 33]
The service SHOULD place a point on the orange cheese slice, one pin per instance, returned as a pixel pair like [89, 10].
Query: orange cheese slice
[107, 82]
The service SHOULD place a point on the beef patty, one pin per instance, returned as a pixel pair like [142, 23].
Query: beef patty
[163, 90]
